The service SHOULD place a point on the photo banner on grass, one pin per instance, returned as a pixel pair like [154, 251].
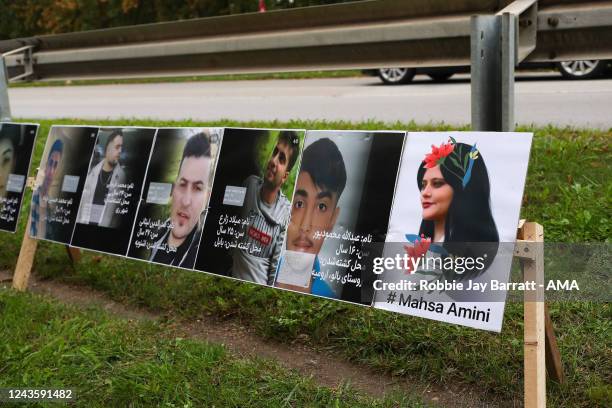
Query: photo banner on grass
[326, 213]
[16, 147]
[112, 189]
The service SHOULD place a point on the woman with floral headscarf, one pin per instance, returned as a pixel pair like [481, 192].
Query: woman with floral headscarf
[455, 198]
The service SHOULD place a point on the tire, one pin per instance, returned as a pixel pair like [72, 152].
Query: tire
[396, 76]
[582, 69]
[440, 76]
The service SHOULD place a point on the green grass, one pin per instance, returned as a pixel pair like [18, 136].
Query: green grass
[568, 191]
[118, 363]
[197, 78]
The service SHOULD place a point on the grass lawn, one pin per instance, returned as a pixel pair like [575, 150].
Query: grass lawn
[118, 363]
[568, 191]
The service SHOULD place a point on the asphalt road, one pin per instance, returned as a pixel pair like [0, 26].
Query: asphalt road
[540, 99]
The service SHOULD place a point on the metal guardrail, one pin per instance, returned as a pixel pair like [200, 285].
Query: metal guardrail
[365, 34]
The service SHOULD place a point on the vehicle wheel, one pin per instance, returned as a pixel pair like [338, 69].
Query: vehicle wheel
[440, 76]
[395, 76]
[583, 69]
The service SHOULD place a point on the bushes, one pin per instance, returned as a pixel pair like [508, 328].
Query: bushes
[33, 17]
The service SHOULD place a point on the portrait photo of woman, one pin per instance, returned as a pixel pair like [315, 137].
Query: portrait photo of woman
[454, 216]
[455, 198]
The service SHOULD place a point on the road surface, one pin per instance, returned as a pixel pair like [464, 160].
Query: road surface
[540, 99]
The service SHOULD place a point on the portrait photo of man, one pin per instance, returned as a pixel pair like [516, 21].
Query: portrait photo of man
[190, 192]
[101, 183]
[39, 222]
[315, 210]
[339, 213]
[267, 210]
[112, 188]
[16, 146]
[9, 143]
[250, 203]
[57, 196]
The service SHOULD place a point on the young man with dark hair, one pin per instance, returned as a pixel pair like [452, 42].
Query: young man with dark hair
[190, 193]
[102, 182]
[315, 208]
[267, 210]
[39, 223]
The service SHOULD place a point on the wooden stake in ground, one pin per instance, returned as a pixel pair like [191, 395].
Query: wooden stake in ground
[532, 256]
[25, 261]
[554, 367]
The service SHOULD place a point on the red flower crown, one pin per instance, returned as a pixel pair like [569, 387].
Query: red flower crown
[463, 162]
[438, 154]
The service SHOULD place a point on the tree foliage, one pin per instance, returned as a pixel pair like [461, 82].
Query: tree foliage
[25, 18]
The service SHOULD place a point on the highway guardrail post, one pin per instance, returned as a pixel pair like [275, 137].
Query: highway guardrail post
[493, 58]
